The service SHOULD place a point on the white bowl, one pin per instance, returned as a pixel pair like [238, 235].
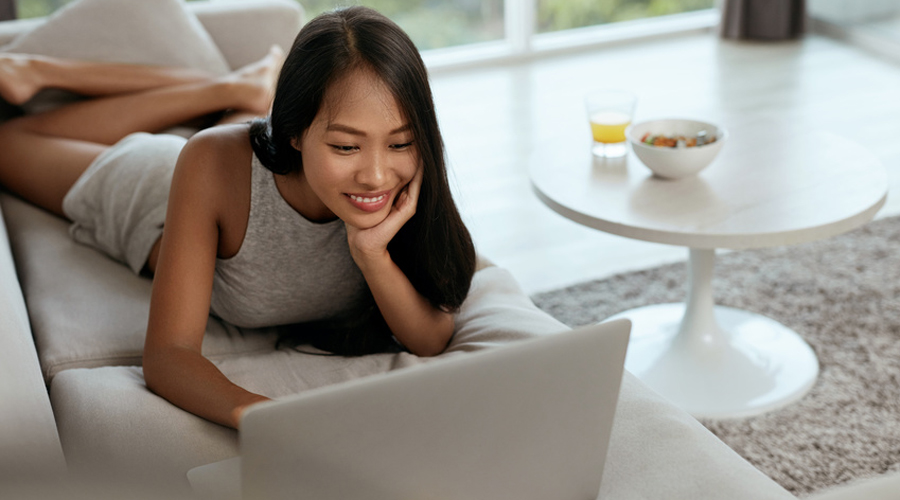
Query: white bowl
[675, 163]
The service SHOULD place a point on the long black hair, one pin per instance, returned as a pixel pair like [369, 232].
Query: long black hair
[434, 248]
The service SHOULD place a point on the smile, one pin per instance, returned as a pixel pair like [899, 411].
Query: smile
[371, 203]
[360, 199]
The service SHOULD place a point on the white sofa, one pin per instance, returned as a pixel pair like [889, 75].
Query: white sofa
[73, 396]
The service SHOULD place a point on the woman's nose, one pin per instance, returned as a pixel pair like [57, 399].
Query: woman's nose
[373, 171]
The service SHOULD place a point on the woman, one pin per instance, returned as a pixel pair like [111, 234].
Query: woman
[333, 214]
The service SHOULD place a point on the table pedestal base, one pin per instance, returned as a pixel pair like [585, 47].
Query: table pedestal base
[714, 361]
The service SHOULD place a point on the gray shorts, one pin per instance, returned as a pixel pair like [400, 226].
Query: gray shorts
[118, 205]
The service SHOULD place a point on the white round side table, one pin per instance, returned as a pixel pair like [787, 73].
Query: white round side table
[764, 191]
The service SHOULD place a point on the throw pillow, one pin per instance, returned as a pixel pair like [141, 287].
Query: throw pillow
[152, 32]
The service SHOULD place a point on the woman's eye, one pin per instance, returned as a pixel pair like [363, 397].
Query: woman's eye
[401, 147]
[344, 149]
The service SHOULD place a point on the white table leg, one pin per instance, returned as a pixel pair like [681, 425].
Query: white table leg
[714, 361]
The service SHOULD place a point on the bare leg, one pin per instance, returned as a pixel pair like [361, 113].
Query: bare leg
[108, 119]
[44, 154]
[22, 76]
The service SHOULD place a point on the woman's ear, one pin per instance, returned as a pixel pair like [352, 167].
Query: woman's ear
[295, 143]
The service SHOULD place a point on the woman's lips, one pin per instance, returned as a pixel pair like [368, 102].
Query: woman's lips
[369, 202]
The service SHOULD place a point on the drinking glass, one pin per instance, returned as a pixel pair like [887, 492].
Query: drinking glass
[609, 112]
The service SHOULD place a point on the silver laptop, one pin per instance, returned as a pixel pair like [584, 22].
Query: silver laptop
[529, 421]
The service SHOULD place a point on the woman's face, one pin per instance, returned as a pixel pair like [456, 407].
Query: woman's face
[358, 153]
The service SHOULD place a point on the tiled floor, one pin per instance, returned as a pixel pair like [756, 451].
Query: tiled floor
[495, 120]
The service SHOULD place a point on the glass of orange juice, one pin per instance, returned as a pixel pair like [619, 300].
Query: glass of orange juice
[609, 112]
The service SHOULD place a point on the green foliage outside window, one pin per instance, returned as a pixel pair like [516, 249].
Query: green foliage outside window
[432, 23]
[36, 8]
[444, 23]
[555, 15]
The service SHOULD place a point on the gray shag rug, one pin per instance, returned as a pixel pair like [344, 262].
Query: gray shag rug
[842, 295]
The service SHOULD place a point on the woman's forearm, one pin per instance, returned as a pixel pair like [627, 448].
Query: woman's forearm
[422, 328]
[189, 380]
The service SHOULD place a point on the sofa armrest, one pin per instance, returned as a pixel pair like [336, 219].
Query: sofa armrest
[29, 443]
[244, 30]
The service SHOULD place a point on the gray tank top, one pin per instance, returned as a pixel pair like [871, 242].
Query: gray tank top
[288, 269]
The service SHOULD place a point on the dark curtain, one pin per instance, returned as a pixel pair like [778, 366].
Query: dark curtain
[7, 9]
[763, 19]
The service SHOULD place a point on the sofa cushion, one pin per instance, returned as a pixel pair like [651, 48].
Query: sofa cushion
[87, 310]
[28, 439]
[659, 451]
[107, 416]
[153, 32]
[244, 31]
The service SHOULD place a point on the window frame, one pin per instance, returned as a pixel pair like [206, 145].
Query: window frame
[523, 43]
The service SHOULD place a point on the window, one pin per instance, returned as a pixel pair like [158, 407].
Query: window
[555, 15]
[437, 24]
[460, 32]
[433, 24]
[37, 8]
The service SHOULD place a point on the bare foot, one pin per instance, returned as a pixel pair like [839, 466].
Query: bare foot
[18, 79]
[258, 81]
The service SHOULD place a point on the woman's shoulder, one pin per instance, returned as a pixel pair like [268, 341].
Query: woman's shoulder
[221, 153]
[222, 144]
[215, 164]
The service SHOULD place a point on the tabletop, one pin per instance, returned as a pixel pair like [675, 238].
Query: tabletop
[778, 187]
